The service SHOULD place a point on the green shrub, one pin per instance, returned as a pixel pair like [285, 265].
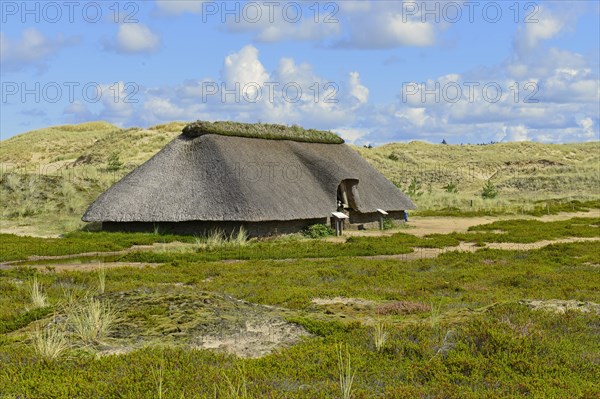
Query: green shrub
[414, 188]
[388, 223]
[489, 191]
[451, 188]
[318, 231]
[114, 163]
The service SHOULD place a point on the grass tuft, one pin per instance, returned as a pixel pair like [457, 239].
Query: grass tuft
[380, 335]
[37, 295]
[49, 343]
[101, 279]
[215, 238]
[159, 377]
[236, 387]
[240, 238]
[92, 320]
[345, 372]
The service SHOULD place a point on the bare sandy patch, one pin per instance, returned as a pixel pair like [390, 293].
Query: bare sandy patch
[422, 226]
[562, 306]
[537, 244]
[82, 267]
[343, 301]
[256, 339]
[27, 231]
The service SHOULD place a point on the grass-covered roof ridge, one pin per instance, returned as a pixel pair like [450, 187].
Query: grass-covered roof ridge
[261, 131]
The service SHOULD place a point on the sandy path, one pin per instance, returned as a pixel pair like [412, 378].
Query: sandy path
[84, 267]
[419, 253]
[421, 226]
[424, 225]
[426, 253]
[26, 231]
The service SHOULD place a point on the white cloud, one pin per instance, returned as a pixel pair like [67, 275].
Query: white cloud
[312, 108]
[163, 109]
[32, 49]
[348, 24]
[78, 112]
[587, 124]
[547, 26]
[517, 133]
[136, 38]
[352, 134]
[570, 85]
[565, 84]
[385, 26]
[545, 29]
[244, 67]
[569, 91]
[416, 116]
[118, 102]
[275, 26]
[357, 90]
[115, 105]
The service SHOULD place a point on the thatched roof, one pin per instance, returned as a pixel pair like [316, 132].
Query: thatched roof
[222, 178]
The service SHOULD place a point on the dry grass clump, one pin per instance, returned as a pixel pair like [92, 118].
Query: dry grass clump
[345, 371]
[261, 131]
[92, 320]
[101, 279]
[402, 308]
[50, 342]
[38, 298]
[380, 335]
[218, 238]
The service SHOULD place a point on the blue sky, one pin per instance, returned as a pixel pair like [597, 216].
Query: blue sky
[373, 71]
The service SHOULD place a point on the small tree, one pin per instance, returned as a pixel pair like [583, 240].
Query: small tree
[489, 190]
[114, 163]
[444, 142]
[451, 188]
[414, 188]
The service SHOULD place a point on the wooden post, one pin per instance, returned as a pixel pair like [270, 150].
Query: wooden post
[339, 222]
[382, 215]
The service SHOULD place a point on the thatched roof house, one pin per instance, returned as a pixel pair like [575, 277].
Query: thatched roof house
[220, 175]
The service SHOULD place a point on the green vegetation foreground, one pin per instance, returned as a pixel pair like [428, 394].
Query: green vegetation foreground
[462, 325]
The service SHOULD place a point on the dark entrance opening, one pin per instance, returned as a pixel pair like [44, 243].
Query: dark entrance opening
[347, 194]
